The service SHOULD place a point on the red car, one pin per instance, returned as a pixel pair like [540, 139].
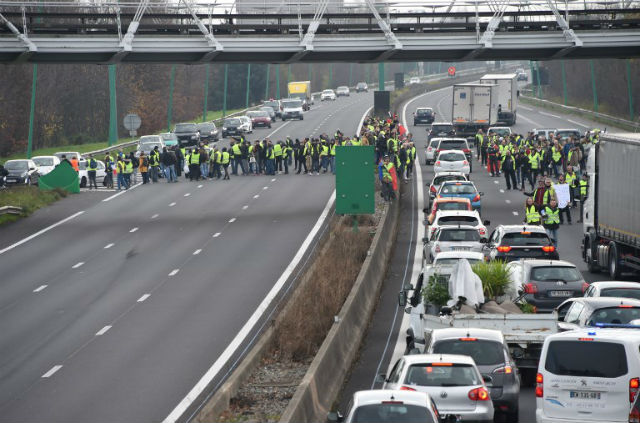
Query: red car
[259, 118]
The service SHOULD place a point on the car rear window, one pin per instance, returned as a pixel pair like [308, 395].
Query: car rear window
[615, 315]
[43, 161]
[455, 235]
[452, 262]
[206, 127]
[17, 165]
[455, 220]
[586, 359]
[555, 273]
[621, 292]
[440, 179]
[453, 145]
[453, 205]
[482, 351]
[458, 189]
[391, 412]
[442, 374]
[523, 239]
[451, 157]
[424, 112]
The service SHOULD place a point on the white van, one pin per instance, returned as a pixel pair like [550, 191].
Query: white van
[588, 375]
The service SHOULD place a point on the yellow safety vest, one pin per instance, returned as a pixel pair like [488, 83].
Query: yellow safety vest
[236, 150]
[225, 157]
[194, 158]
[583, 187]
[553, 216]
[571, 179]
[277, 150]
[532, 215]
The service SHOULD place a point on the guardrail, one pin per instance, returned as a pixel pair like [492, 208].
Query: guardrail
[597, 115]
[11, 210]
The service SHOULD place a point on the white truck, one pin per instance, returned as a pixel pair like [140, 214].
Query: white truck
[475, 107]
[506, 94]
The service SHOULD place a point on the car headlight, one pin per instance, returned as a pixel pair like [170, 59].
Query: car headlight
[224, 128]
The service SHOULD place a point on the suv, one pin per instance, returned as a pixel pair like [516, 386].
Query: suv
[514, 242]
[231, 126]
[441, 129]
[490, 352]
[454, 144]
[292, 109]
[362, 87]
[208, 131]
[423, 115]
[546, 283]
[187, 134]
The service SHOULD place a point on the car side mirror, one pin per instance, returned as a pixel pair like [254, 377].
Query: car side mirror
[334, 416]
[32, 168]
[486, 222]
[402, 298]
[408, 310]
[407, 287]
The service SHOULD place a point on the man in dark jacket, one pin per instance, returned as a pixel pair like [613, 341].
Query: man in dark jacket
[509, 169]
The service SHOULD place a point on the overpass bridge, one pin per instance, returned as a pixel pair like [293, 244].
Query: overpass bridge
[440, 30]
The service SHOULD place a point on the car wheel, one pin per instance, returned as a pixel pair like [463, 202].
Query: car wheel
[83, 182]
[614, 267]
[269, 126]
[283, 119]
[301, 117]
[589, 252]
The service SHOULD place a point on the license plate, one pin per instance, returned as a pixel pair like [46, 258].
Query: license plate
[585, 395]
[460, 248]
[560, 293]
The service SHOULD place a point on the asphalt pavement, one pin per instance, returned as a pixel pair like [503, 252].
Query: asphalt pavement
[385, 339]
[115, 314]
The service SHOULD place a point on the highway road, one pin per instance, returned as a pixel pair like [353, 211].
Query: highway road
[117, 313]
[385, 339]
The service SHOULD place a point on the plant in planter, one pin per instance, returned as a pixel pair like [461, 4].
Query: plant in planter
[435, 293]
[495, 277]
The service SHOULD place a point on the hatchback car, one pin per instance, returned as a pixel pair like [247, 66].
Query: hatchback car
[270, 111]
[452, 161]
[447, 204]
[208, 132]
[547, 283]
[453, 238]
[453, 381]
[614, 289]
[490, 352]
[231, 126]
[21, 171]
[328, 95]
[83, 174]
[441, 129]
[442, 177]
[147, 143]
[514, 242]
[45, 163]
[414, 80]
[259, 118]
[462, 189]
[459, 217]
[454, 144]
[581, 312]
[362, 87]
[423, 115]
[381, 406]
[342, 91]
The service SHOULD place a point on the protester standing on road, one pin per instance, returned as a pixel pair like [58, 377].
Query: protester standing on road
[509, 169]
[224, 162]
[134, 162]
[531, 213]
[584, 185]
[108, 164]
[566, 210]
[551, 223]
[154, 162]
[92, 168]
[143, 166]
[386, 178]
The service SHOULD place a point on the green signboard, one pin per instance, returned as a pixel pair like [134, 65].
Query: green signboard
[355, 180]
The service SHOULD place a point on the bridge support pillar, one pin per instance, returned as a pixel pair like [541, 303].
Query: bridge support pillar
[206, 92]
[631, 116]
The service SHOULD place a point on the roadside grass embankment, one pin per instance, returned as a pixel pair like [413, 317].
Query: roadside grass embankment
[29, 198]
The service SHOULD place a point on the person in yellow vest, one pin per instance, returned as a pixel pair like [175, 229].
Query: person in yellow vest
[584, 186]
[386, 179]
[122, 183]
[572, 179]
[193, 160]
[128, 170]
[324, 156]
[225, 157]
[479, 141]
[551, 221]
[277, 154]
[332, 156]
[154, 163]
[556, 159]
[92, 168]
[285, 156]
[531, 213]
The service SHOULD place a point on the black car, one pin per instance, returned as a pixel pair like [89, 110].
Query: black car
[362, 87]
[231, 126]
[187, 134]
[423, 115]
[441, 129]
[514, 242]
[208, 132]
[21, 172]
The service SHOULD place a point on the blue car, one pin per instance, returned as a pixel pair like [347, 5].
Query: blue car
[462, 189]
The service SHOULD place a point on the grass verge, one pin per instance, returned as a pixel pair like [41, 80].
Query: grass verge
[29, 198]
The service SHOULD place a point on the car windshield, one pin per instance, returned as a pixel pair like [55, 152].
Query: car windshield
[150, 145]
[441, 128]
[169, 137]
[392, 412]
[442, 374]
[458, 189]
[343, 88]
[482, 351]
[424, 112]
[257, 113]
[555, 273]
[43, 161]
[291, 104]
[206, 127]
[455, 220]
[453, 262]
[499, 132]
[586, 359]
[621, 292]
[524, 239]
[267, 109]
[451, 157]
[615, 315]
[361, 85]
[456, 235]
[327, 92]
[453, 205]
[16, 165]
[186, 127]
[438, 180]
[453, 145]
[567, 134]
[232, 122]
[272, 104]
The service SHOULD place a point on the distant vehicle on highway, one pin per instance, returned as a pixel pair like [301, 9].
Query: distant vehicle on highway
[45, 163]
[440, 129]
[187, 133]
[147, 143]
[270, 111]
[543, 132]
[21, 172]
[440, 178]
[327, 95]
[292, 109]
[500, 131]
[301, 90]
[452, 161]
[208, 132]
[390, 406]
[342, 91]
[246, 126]
[464, 190]
[515, 242]
[453, 238]
[521, 74]
[414, 80]
[169, 138]
[614, 289]
[423, 115]
[453, 381]
[232, 126]
[69, 155]
[275, 105]
[259, 118]
[362, 87]
[565, 134]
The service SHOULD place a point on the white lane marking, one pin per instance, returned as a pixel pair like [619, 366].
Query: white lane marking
[537, 124]
[155, 215]
[200, 186]
[52, 371]
[265, 188]
[273, 180]
[144, 297]
[515, 213]
[40, 288]
[233, 219]
[187, 194]
[217, 234]
[40, 232]
[226, 355]
[501, 191]
[106, 247]
[256, 196]
[245, 207]
[122, 192]
[577, 123]
[133, 230]
[496, 182]
[507, 201]
[78, 264]
[172, 204]
[550, 114]
[174, 272]
[103, 331]
[198, 251]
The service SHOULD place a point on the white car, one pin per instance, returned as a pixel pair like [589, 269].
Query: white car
[68, 155]
[388, 406]
[459, 217]
[543, 132]
[452, 161]
[342, 91]
[453, 381]
[328, 95]
[414, 80]
[46, 163]
[430, 152]
[500, 131]
[83, 174]
[614, 289]
[444, 261]
[246, 126]
[292, 108]
[453, 238]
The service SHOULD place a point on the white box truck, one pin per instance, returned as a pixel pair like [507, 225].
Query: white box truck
[474, 107]
[506, 94]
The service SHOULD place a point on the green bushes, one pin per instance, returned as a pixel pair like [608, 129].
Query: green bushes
[495, 277]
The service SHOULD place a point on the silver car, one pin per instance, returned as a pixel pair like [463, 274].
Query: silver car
[453, 381]
[452, 161]
[455, 238]
[612, 289]
[430, 150]
[388, 406]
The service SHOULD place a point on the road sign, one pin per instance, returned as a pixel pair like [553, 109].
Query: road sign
[132, 122]
[355, 180]
[452, 70]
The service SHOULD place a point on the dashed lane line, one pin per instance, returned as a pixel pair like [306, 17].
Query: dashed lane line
[143, 298]
[233, 219]
[106, 247]
[52, 371]
[75, 266]
[40, 288]
[103, 330]
[174, 272]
